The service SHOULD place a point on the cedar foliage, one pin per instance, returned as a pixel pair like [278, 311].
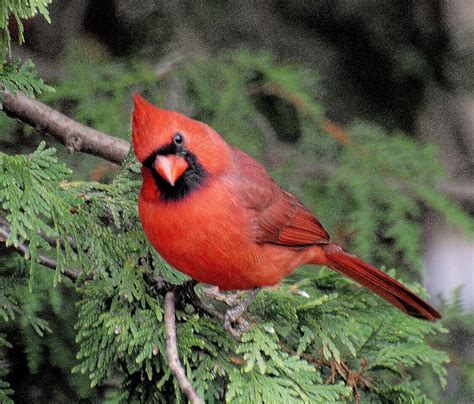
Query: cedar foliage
[13, 74]
[18, 10]
[334, 342]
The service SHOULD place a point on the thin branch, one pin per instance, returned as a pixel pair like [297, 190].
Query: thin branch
[22, 249]
[72, 134]
[52, 241]
[172, 350]
[458, 190]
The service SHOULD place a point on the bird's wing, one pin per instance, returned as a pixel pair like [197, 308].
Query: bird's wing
[278, 217]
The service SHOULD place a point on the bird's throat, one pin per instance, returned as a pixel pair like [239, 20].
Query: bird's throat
[192, 178]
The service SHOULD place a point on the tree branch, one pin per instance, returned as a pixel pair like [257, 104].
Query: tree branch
[172, 350]
[462, 191]
[22, 249]
[52, 241]
[72, 134]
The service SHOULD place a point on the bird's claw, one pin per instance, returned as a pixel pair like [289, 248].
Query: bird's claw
[233, 316]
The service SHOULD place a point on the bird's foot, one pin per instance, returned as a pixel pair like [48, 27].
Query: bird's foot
[234, 316]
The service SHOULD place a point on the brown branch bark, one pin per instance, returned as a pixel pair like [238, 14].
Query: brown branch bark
[52, 241]
[172, 350]
[72, 134]
[48, 262]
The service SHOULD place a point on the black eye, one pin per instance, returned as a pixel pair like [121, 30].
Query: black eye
[178, 139]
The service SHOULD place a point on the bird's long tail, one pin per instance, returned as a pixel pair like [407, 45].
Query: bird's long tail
[379, 282]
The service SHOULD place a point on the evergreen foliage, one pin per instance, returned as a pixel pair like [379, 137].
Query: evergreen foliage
[316, 338]
[18, 10]
[16, 76]
[341, 334]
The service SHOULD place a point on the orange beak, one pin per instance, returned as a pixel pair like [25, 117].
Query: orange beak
[170, 167]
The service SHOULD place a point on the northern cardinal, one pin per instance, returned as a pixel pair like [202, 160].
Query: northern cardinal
[214, 213]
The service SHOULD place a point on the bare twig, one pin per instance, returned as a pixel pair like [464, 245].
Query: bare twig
[22, 249]
[172, 350]
[72, 134]
[52, 241]
[458, 190]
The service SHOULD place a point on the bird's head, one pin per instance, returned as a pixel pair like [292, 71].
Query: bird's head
[179, 152]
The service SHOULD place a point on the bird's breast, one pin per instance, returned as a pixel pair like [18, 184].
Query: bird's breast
[207, 235]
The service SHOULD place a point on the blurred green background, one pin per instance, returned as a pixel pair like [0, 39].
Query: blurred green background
[288, 82]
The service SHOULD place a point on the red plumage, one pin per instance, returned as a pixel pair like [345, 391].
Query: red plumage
[224, 221]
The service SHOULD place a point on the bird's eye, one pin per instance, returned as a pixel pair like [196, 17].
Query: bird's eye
[178, 139]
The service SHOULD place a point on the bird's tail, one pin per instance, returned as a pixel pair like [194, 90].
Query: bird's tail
[379, 282]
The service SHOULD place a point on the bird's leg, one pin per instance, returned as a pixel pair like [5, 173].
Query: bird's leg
[233, 315]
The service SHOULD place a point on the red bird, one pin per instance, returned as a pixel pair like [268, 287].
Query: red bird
[214, 213]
